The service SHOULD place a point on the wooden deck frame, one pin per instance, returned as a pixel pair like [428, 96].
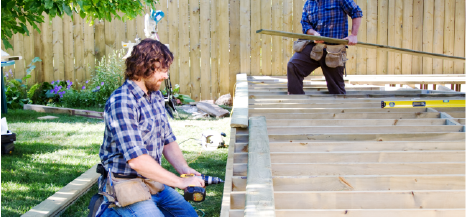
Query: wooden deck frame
[324, 147]
[240, 103]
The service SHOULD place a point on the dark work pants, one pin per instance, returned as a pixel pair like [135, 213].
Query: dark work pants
[301, 65]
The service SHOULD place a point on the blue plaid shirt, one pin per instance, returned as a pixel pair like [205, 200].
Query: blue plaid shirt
[135, 124]
[329, 17]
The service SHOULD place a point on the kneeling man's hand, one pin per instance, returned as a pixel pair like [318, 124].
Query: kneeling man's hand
[190, 181]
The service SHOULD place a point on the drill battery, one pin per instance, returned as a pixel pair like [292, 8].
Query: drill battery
[8, 144]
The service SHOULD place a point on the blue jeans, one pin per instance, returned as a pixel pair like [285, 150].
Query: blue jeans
[165, 203]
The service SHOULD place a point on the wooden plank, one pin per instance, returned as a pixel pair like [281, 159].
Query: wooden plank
[56, 203]
[173, 13]
[57, 110]
[99, 39]
[120, 35]
[162, 30]
[368, 137]
[110, 36]
[398, 34]
[418, 7]
[427, 35]
[364, 145]
[29, 53]
[371, 212]
[341, 105]
[212, 109]
[342, 169]
[205, 49]
[362, 36]
[287, 27]
[373, 115]
[237, 200]
[368, 156]
[185, 75]
[140, 21]
[67, 49]
[194, 50]
[407, 36]
[439, 13]
[266, 47]
[355, 122]
[351, 52]
[224, 54]
[89, 50]
[337, 110]
[259, 188]
[449, 35]
[356, 129]
[277, 23]
[372, 20]
[338, 100]
[391, 37]
[459, 35]
[18, 47]
[235, 43]
[298, 6]
[78, 36]
[239, 116]
[227, 189]
[47, 40]
[60, 45]
[214, 81]
[245, 36]
[131, 31]
[361, 183]
[255, 38]
[38, 48]
[370, 200]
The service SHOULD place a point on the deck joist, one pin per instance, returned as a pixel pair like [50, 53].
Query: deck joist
[343, 155]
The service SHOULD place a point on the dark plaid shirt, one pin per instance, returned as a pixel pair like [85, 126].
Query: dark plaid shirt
[329, 17]
[135, 124]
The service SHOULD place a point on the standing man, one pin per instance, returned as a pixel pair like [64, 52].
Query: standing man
[327, 18]
[137, 133]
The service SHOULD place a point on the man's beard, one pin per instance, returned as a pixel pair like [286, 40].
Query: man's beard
[152, 85]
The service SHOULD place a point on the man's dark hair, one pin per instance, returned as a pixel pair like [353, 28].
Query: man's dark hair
[147, 57]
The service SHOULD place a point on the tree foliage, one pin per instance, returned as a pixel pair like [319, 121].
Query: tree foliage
[17, 13]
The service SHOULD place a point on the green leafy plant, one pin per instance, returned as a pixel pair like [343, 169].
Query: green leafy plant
[17, 91]
[184, 99]
[17, 13]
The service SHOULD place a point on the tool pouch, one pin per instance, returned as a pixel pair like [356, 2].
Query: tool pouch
[317, 51]
[299, 45]
[130, 191]
[336, 56]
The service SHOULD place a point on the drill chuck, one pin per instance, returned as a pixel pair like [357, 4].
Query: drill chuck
[209, 180]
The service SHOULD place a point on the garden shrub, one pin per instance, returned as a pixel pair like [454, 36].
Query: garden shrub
[17, 91]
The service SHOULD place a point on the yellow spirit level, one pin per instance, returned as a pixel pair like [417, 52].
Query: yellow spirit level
[423, 103]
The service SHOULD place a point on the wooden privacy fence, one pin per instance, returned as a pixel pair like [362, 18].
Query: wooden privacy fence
[214, 40]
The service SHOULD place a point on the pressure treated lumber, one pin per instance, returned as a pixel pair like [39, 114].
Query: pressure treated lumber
[259, 189]
[227, 189]
[360, 44]
[371, 115]
[366, 129]
[56, 110]
[361, 182]
[240, 103]
[439, 199]
[355, 122]
[56, 203]
[330, 96]
[368, 212]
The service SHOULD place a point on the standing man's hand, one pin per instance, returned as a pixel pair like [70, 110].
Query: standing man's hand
[352, 39]
[313, 32]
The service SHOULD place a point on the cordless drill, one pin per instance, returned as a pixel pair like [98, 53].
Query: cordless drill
[196, 193]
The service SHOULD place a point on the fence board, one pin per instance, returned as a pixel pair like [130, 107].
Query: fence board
[223, 37]
[277, 24]
[255, 38]
[287, 27]
[407, 35]
[99, 39]
[235, 63]
[185, 75]
[18, 48]
[245, 36]
[427, 35]
[214, 44]
[297, 15]
[38, 71]
[205, 49]
[173, 39]
[351, 52]
[162, 30]
[459, 35]
[266, 11]
[47, 40]
[79, 48]
[398, 34]
[382, 35]
[362, 36]
[89, 52]
[372, 20]
[391, 37]
[10, 52]
[120, 32]
[110, 36]
[62, 36]
[417, 36]
[439, 13]
[68, 49]
[29, 52]
[194, 52]
[449, 35]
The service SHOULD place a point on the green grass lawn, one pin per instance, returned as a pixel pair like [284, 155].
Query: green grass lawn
[51, 153]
